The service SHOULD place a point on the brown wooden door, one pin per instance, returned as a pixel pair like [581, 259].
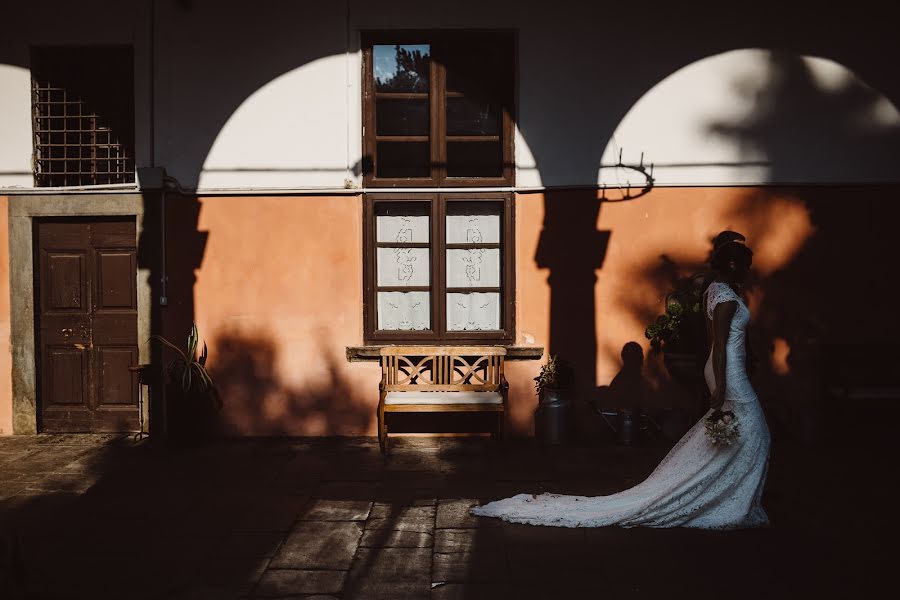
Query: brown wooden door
[86, 302]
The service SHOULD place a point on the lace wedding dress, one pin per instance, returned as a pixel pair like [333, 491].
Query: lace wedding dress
[697, 484]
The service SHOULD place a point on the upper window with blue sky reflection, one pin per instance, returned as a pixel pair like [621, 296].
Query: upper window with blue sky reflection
[401, 68]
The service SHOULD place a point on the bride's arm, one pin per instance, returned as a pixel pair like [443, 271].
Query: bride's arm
[722, 315]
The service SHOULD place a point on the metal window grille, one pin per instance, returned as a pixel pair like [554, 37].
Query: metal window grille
[83, 116]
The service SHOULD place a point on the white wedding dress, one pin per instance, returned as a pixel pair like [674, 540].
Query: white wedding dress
[697, 484]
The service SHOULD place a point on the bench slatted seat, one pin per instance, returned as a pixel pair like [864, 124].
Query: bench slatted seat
[441, 379]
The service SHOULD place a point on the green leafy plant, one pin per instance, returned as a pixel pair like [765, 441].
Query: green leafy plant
[681, 327]
[551, 377]
[188, 369]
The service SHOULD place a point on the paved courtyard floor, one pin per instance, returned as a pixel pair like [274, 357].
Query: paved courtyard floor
[105, 517]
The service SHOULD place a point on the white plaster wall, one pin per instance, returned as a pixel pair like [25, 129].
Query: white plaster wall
[670, 126]
[15, 126]
[270, 97]
[677, 125]
[292, 131]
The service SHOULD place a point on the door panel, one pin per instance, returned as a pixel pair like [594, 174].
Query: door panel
[86, 298]
[110, 233]
[116, 285]
[67, 376]
[66, 280]
[117, 384]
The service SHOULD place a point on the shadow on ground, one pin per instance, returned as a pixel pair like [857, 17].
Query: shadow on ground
[100, 516]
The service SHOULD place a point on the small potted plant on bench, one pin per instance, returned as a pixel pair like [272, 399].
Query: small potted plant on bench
[191, 396]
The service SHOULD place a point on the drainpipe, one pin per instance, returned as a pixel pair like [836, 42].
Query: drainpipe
[169, 184]
[160, 177]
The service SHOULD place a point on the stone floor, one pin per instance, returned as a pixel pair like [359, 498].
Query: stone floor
[103, 516]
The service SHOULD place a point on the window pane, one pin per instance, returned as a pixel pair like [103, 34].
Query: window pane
[473, 222]
[473, 312]
[401, 117]
[406, 224]
[403, 266]
[401, 68]
[404, 311]
[467, 116]
[403, 159]
[479, 66]
[474, 159]
[478, 267]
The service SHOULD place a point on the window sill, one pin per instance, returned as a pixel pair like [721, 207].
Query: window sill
[372, 353]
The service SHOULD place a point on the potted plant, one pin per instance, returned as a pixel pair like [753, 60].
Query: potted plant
[547, 383]
[553, 414]
[680, 333]
[192, 397]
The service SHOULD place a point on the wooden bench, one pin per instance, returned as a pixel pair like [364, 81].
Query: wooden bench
[442, 379]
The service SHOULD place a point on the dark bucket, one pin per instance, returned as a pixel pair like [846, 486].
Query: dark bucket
[553, 419]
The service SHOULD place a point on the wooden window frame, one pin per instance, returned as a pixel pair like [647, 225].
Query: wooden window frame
[438, 282]
[440, 41]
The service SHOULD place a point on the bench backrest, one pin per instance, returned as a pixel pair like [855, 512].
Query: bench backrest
[442, 368]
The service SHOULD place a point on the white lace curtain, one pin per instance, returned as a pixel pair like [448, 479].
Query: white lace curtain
[473, 267]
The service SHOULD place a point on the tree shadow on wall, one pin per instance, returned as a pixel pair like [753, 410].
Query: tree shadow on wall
[670, 399]
[832, 289]
[831, 286]
[259, 402]
[812, 128]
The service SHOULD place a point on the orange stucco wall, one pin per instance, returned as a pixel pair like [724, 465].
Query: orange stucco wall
[632, 273]
[5, 355]
[818, 280]
[279, 291]
[279, 297]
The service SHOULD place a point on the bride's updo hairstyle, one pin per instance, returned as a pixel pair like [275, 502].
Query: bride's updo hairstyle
[732, 258]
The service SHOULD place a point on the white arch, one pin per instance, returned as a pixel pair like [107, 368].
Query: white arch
[292, 132]
[303, 129]
[671, 123]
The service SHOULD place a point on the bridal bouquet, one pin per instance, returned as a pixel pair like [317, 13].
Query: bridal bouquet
[722, 428]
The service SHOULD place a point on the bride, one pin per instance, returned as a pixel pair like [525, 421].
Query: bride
[697, 484]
